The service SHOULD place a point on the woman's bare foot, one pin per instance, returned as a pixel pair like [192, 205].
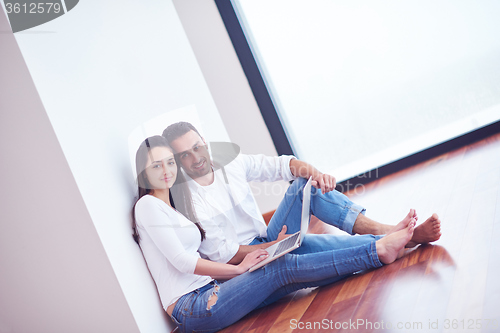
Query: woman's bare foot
[429, 231]
[390, 247]
[404, 223]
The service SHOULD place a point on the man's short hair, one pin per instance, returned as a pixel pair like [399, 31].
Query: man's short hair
[175, 131]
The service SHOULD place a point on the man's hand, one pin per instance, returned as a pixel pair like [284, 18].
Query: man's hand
[282, 235]
[320, 180]
[324, 182]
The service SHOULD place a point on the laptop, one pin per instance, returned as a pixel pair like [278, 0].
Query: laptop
[295, 240]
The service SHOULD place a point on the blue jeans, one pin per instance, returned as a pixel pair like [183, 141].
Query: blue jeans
[333, 208]
[244, 293]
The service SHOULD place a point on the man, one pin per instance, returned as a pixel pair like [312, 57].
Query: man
[234, 226]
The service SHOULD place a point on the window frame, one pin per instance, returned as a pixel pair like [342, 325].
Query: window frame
[278, 131]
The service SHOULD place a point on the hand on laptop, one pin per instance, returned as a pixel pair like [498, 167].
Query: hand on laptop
[252, 259]
[282, 235]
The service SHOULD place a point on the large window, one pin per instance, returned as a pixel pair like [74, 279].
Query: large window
[358, 84]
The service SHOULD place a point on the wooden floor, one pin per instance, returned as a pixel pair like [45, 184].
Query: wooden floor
[450, 286]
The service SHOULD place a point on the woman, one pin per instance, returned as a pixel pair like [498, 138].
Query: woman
[185, 281]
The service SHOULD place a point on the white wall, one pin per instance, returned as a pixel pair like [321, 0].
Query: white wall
[71, 93]
[230, 89]
[100, 71]
[55, 275]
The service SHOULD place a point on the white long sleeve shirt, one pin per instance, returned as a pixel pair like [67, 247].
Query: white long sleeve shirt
[169, 243]
[228, 211]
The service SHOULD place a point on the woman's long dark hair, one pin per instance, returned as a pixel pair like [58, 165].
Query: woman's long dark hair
[180, 196]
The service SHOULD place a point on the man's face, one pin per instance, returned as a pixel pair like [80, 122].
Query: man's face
[193, 154]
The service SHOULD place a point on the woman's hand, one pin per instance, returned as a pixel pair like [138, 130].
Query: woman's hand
[252, 259]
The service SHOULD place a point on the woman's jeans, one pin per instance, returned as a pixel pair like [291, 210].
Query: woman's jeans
[244, 293]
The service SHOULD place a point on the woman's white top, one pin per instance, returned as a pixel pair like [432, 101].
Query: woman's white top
[169, 243]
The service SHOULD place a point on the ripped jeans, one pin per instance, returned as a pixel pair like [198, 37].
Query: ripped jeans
[237, 297]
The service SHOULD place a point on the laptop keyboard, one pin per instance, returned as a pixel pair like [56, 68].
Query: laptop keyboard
[286, 243]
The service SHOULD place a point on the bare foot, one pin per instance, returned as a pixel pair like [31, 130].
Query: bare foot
[390, 247]
[429, 231]
[404, 223]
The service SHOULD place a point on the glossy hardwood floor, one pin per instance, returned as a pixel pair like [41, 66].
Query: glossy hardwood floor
[449, 286]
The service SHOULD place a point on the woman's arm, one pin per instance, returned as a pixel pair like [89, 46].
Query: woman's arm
[158, 221]
[221, 271]
[243, 250]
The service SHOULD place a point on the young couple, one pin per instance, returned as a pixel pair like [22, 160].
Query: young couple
[202, 224]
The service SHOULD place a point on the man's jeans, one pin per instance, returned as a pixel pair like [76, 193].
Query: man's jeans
[242, 294]
[333, 208]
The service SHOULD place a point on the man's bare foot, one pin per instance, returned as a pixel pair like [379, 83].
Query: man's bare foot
[404, 223]
[390, 247]
[429, 231]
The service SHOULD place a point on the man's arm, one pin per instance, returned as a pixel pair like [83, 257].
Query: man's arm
[243, 250]
[320, 180]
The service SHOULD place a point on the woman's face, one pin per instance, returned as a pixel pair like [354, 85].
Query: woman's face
[161, 169]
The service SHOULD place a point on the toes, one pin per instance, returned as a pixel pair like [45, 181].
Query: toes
[411, 227]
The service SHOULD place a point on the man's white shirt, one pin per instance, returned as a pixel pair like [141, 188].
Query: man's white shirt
[227, 210]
